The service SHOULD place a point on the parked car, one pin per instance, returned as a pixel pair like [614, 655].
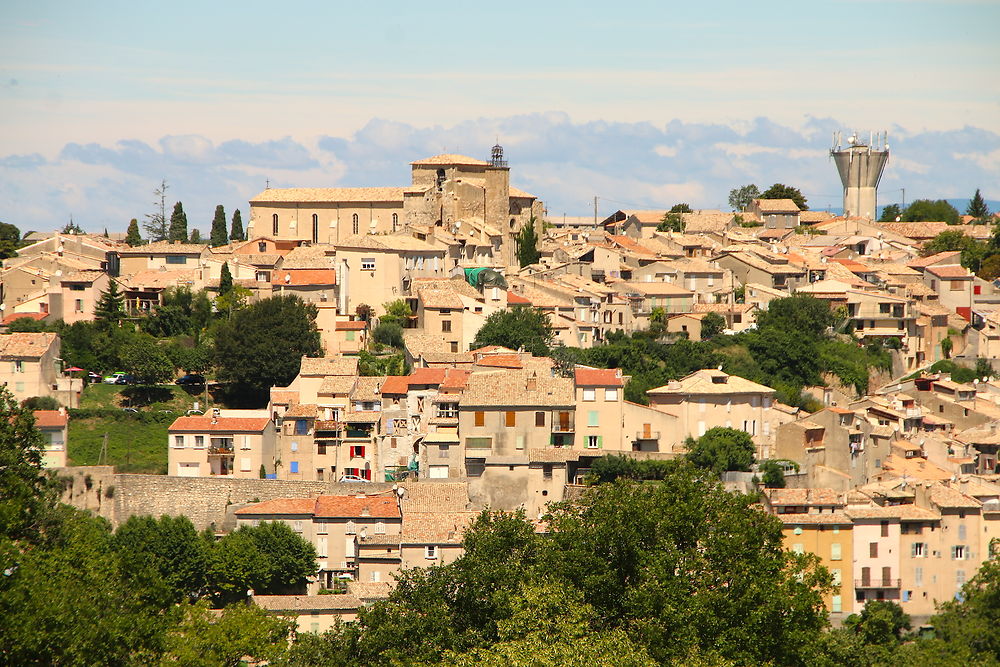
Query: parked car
[191, 379]
[114, 377]
[125, 378]
[352, 478]
[93, 377]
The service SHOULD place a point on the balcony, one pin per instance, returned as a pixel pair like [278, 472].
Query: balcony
[647, 435]
[354, 433]
[221, 450]
[876, 583]
[563, 422]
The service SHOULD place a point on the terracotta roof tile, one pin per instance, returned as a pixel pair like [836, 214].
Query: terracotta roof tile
[351, 507]
[279, 506]
[50, 418]
[352, 325]
[831, 519]
[500, 361]
[597, 377]
[31, 316]
[451, 159]
[395, 385]
[303, 603]
[329, 366]
[221, 424]
[304, 277]
[803, 497]
[26, 345]
[514, 388]
[329, 195]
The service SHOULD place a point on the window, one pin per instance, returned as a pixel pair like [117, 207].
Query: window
[395, 221]
[351, 528]
[918, 550]
[885, 528]
[480, 418]
[293, 467]
[297, 525]
[956, 285]
[610, 394]
[961, 532]
[798, 549]
[19, 367]
[262, 246]
[873, 549]
[295, 446]
[354, 224]
[357, 451]
[836, 577]
[446, 326]
[539, 419]
[478, 443]
[431, 552]
[918, 576]
[836, 604]
[959, 577]
[443, 451]
[594, 441]
[315, 222]
[321, 527]
[301, 427]
[178, 441]
[547, 470]
[245, 464]
[78, 305]
[835, 551]
[593, 418]
[590, 394]
[380, 527]
[510, 419]
[959, 552]
[368, 264]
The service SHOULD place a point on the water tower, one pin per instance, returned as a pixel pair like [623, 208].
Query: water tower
[860, 166]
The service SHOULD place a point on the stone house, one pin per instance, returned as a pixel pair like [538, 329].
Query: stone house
[225, 446]
[54, 427]
[30, 366]
[775, 213]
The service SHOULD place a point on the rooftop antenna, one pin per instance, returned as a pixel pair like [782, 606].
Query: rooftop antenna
[267, 183]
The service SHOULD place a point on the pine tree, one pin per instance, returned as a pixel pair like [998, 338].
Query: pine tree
[178, 224]
[110, 307]
[195, 236]
[106, 233]
[225, 280]
[236, 232]
[219, 228]
[978, 208]
[133, 238]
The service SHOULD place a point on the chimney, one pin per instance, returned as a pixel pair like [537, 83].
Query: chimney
[531, 384]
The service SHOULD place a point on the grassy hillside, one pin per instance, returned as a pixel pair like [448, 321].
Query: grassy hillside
[137, 442]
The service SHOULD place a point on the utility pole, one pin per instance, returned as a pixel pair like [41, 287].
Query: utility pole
[595, 210]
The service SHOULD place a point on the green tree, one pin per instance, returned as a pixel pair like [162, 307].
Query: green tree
[236, 298]
[270, 559]
[397, 312]
[978, 208]
[370, 365]
[132, 237]
[388, 333]
[202, 638]
[741, 198]
[155, 223]
[880, 622]
[225, 280]
[989, 268]
[782, 191]
[195, 236]
[263, 344]
[722, 449]
[40, 403]
[973, 251]
[680, 208]
[527, 244]
[686, 568]
[712, 325]
[10, 240]
[672, 222]
[110, 308]
[178, 225]
[236, 231]
[890, 213]
[516, 328]
[946, 345]
[219, 236]
[22, 483]
[936, 211]
[774, 475]
[72, 228]
[146, 360]
[169, 550]
[972, 621]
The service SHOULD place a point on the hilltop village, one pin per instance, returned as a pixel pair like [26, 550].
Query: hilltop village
[660, 331]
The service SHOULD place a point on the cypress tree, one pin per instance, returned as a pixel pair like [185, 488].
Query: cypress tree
[225, 280]
[219, 227]
[236, 233]
[195, 236]
[978, 208]
[133, 238]
[178, 224]
[527, 244]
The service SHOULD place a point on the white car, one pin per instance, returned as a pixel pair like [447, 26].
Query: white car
[352, 478]
[114, 377]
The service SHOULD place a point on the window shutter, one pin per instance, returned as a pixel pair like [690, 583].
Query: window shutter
[913, 550]
[600, 442]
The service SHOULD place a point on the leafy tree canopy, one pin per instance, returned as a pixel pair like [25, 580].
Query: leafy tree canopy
[516, 328]
[741, 198]
[973, 251]
[146, 360]
[890, 213]
[10, 239]
[712, 325]
[672, 221]
[680, 208]
[931, 210]
[782, 191]
[262, 345]
[722, 449]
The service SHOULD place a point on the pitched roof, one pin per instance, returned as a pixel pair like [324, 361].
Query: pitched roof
[26, 345]
[513, 388]
[499, 361]
[324, 195]
[302, 410]
[903, 512]
[336, 384]
[279, 506]
[50, 418]
[352, 507]
[451, 159]
[31, 316]
[163, 247]
[220, 424]
[366, 388]
[830, 519]
[329, 366]
[922, 262]
[437, 497]
[389, 243]
[395, 384]
[303, 603]
[803, 497]
[776, 205]
[711, 381]
[597, 377]
[950, 272]
[439, 298]
[352, 325]
[304, 277]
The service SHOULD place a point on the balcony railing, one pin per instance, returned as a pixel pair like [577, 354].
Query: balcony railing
[877, 583]
[647, 435]
[220, 450]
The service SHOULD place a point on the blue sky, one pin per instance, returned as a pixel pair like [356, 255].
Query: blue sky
[641, 103]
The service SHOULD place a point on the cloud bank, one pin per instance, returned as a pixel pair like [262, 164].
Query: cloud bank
[566, 163]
